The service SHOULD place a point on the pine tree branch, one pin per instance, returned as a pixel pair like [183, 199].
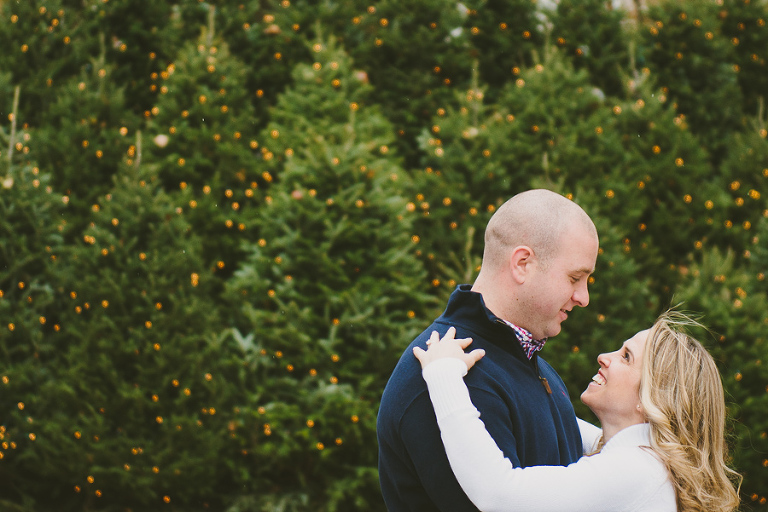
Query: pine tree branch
[469, 271]
[211, 19]
[137, 162]
[14, 115]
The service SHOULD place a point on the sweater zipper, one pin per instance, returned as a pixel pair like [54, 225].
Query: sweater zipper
[543, 380]
[535, 358]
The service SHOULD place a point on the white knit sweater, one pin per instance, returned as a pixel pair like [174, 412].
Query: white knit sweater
[624, 476]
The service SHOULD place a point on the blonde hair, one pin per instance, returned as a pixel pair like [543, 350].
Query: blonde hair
[682, 395]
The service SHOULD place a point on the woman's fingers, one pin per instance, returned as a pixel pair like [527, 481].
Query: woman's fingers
[474, 357]
[448, 346]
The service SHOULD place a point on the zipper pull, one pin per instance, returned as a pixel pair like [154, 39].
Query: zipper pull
[545, 384]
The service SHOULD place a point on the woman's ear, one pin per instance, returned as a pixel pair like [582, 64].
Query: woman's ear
[520, 263]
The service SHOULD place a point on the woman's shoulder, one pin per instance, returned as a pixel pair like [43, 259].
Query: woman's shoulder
[629, 451]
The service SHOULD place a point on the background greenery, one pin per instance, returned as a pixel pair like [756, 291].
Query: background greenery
[222, 222]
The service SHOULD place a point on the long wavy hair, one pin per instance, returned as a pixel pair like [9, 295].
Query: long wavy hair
[682, 395]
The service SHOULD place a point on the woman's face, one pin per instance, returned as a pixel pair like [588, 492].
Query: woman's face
[614, 393]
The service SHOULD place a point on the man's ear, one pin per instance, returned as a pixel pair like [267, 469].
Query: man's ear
[520, 263]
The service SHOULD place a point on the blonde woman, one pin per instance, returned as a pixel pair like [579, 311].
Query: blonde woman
[660, 402]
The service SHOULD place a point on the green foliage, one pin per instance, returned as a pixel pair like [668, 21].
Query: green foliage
[38, 55]
[124, 385]
[202, 146]
[221, 223]
[140, 38]
[591, 33]
[330, 287]
[745, 180]
[87, 120]
[503, 35]
[412, 53]
[31, 235]
[202, 120]
[744, 24]
[269, 39]
[734, 304]
[683, 43]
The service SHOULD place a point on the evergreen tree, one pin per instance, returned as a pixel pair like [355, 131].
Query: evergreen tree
[733, 304]
[744, 182]
[85, 135]
[744, 24]
[468, 173]
[658, 180]
[204, 147]
[685, 49]
[268, 37]
[301, 215]
[141, 39]
[413, 54]
[127, 403]
[40, 51]
[591, 33]
[30, 242]
[330, 293]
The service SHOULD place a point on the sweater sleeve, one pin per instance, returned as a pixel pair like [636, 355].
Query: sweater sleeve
[590, 435]
[608, 481]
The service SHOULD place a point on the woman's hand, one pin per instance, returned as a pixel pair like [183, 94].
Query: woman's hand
[449, 346]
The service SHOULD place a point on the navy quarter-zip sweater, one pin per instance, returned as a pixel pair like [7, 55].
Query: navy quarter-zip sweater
[531, 426]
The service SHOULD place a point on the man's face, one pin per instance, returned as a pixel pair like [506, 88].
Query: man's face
[553, 290]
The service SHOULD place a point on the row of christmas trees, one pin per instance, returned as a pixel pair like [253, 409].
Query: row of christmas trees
[222, 223]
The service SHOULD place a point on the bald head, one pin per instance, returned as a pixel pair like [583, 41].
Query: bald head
[539, 219]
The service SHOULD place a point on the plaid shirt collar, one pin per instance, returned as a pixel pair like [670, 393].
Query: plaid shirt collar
[530, 345]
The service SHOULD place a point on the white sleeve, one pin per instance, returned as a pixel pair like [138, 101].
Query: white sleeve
[603, 482]
[590, 435]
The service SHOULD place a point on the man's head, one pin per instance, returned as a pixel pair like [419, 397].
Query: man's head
[540, 249]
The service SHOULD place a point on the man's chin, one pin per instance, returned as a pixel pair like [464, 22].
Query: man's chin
[553, 331]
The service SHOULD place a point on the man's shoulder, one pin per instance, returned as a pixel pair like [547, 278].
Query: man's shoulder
[405, 382]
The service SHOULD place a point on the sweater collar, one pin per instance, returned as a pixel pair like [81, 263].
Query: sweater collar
[632, 436]
[526, 339]
[467, 308]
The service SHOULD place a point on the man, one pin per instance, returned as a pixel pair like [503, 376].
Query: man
[540, 249]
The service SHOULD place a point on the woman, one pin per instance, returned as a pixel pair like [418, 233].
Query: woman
[661, 406]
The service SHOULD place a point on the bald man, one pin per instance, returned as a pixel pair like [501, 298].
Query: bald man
[540, 249]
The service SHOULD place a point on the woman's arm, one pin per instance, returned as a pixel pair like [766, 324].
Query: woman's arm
[602, 482]
[590, 436]
[485, 475]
